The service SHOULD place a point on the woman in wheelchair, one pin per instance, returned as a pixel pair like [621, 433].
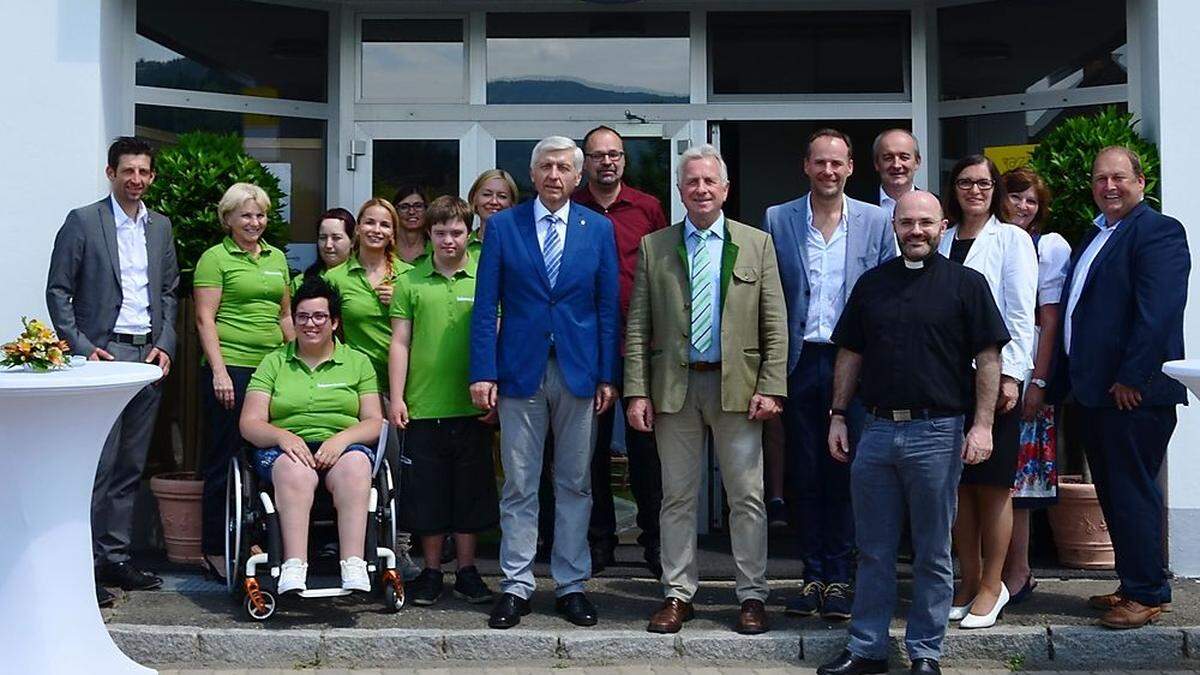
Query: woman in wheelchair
[312, 412]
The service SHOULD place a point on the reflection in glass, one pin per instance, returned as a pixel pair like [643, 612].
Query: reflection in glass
[233, 47]
[419, 60]
[808, 52]
[647, 165]
[431, 165]
[588, 58]
[1020, 46]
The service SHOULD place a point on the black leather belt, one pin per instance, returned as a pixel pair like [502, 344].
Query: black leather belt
[135, 340]
[907, 414]
[704, 366]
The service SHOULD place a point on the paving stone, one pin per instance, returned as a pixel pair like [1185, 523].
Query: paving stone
[247, 647]
[609, 646]
[381, 645]
[776, 645]
[156, 644]
[1098, 647]
[997, 647]
[495, 645]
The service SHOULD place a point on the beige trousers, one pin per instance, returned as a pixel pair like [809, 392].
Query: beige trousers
[681, 442]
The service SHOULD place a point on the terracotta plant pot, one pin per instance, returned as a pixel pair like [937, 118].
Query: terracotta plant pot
[1080, 532]
[178, 497]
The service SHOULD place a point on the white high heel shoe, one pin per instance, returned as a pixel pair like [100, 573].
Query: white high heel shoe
[987, 620]
[958, 613]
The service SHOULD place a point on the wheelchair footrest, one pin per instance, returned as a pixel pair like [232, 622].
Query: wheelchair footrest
[324, 593]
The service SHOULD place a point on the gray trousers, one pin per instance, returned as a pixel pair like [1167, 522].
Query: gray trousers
[738, 445]
[121, 463]
[523, 426]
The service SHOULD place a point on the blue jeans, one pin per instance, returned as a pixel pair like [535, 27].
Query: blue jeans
[263, 459]
[904, 469]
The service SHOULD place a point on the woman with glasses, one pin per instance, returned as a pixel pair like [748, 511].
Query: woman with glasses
[411, 240]
[492, 192]
[1004, 254]
[1036, 481]
[313, 413]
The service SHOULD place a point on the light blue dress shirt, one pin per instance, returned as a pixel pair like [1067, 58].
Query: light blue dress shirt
[716, 246]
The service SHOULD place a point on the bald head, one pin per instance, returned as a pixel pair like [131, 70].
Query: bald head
[919, 224]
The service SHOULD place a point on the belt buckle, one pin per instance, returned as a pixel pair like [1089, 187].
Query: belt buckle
[901, 415]
[141, 340]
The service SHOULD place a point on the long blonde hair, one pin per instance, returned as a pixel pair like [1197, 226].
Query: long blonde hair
[389, 251]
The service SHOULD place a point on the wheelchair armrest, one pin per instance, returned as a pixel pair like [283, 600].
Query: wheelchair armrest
[381, 447]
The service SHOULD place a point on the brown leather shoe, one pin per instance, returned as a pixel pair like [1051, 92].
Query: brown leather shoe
[1130, 614]
[753, 618]
[1107, 602]
[671, 616]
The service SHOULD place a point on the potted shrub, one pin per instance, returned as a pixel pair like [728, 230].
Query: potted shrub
[1064, 160]
[192, 175]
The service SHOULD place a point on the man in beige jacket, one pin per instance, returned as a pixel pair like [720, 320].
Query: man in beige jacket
[706, 348]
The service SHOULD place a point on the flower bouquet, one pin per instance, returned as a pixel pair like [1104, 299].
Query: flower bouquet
[37, 348]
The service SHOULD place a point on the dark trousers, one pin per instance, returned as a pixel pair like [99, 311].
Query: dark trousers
[1125, 450]
[122, 460]
[222, 442]
[820, 485]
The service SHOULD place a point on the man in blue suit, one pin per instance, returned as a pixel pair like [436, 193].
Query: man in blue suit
[1125, 293]
[824, 241]
[552, 266]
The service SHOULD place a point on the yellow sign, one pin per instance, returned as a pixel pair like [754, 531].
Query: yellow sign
[1008, 157]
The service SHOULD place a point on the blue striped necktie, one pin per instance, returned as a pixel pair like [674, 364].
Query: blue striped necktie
[552, 249]
[702, 337]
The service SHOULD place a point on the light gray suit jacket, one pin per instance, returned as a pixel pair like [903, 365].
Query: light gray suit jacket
[83, 288]
[869, 242]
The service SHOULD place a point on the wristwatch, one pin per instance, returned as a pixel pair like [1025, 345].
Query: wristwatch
[1038, 382]
[837, 411]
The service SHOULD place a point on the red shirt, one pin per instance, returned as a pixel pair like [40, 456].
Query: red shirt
[634, 214]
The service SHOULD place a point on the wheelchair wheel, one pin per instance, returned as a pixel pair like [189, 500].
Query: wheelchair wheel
[236, 541]
[392, 601]
[264, 612]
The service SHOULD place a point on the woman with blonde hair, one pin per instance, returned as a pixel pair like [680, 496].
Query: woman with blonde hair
[492, 192]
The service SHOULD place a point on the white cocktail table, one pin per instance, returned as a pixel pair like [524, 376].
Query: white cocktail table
[52, 428]
[1186, 371]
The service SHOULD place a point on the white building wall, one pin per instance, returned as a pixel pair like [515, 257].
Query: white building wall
[64, 86]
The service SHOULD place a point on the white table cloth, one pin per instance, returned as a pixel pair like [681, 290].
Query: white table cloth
[52, 428]
[1186, 371]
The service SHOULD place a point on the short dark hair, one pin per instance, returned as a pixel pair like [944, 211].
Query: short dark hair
[828, 132]
[348, 223]
[128, 145]
[448, 208]
[999, 205]
[315, 287]
[1021, 179]
[602, 127]
[1134, 160]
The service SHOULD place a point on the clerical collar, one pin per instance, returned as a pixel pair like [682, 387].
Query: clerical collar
[914, 265]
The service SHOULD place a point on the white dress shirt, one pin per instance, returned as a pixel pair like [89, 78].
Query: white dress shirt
[560, 223]
[826, 277]
[134, 316]
[1081, 271]
[887, 203]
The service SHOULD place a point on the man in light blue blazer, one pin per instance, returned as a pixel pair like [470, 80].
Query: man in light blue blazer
[551, 363]
[824, 241]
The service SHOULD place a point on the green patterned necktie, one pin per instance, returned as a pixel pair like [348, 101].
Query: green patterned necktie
[701, 294]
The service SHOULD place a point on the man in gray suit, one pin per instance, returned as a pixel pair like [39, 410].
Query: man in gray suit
[824, 241]
[111, 296]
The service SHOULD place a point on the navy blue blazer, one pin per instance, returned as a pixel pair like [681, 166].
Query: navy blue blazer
[1129, 319]
[581, 312]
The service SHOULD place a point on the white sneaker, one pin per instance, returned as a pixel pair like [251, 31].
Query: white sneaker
[354, 574]
[293, 576]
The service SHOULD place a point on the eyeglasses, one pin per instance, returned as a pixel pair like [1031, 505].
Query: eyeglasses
[611, 155]
[316, 318]
[412, 206]
[965, 184]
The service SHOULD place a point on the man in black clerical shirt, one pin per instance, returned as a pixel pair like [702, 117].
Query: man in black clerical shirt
[910, 331]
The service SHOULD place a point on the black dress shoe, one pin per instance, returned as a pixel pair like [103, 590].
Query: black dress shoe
[925, 667]
[103, 597]
[577, 609]
[508, 611]
[128, 577]
[849, 664]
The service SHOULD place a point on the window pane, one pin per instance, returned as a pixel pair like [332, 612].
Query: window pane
[413, 60]
[1020, 46]
[233, 47]
[636, 57]
[293, 148]
[430, 165]
[808, 52]
[647, 165]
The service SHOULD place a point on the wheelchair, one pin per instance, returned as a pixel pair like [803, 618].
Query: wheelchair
[254, 542]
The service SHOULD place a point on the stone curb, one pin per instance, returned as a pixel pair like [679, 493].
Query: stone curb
[1015, 647]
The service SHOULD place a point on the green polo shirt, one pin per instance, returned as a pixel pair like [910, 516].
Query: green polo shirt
[440, 310]
[252, 289]
[365, 321]
[314, 404]
[298, 279]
